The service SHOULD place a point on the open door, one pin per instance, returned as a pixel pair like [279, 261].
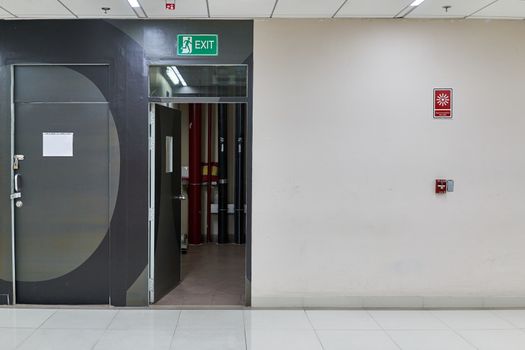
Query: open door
[167, 218]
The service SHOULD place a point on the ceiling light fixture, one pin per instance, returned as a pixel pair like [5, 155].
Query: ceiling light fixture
[408, 9]
[173, 76]
[134, 3]
[416, 3]
[181, 79]
[137, 8]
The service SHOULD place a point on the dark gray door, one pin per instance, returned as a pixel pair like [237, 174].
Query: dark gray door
[167, 200]
[62, 217]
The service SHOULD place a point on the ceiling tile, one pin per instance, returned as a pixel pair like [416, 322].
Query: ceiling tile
[184, 8]
[36, 8]
[503, 9]
[372, 9]
[241, 8]
[4, 14]
[307, 8]
[93, 8]
[460, 8]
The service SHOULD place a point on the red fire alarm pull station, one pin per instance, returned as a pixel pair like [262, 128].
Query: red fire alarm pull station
[170, 5]
[441, 186]
[443, 103]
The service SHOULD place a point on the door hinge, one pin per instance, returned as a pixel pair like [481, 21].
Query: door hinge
[150, 285]
[151, 214]
[151, 143]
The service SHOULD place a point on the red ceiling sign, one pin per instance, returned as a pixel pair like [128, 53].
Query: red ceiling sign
[443, 103]
[170, 5]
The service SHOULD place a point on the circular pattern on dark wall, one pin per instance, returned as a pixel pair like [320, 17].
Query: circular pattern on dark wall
[97, 42]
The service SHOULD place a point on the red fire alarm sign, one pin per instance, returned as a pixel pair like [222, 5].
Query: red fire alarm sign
[441, 186]
[170, 5]
[443, 103]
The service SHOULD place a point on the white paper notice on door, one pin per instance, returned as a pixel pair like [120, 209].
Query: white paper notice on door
[57, 144]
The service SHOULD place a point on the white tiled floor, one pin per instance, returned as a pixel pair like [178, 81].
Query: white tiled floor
[145, 329]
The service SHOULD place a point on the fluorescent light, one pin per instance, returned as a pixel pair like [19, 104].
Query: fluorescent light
[415, 3]
[173, 76]
[182, 81]
[134, 3]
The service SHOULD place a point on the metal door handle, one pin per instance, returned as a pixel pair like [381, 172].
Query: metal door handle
[181, 197]
[18, 183]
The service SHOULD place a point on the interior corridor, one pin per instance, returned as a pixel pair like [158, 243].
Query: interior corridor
[211, 275]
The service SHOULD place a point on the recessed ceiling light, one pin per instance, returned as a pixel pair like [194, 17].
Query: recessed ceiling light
[415, 3]
[134, 3]
[181, 78]
[173, 76]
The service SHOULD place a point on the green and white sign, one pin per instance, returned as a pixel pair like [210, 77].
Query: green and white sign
[198, 45]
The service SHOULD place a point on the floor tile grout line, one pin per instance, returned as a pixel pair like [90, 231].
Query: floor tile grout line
[35, 329]
[47, 318]
[436, 317]
[172, 340]
[384, 330]
[455, 331]
[493, 312]
[106, 329]
[314, 329]
[244, 329]
[112, 319]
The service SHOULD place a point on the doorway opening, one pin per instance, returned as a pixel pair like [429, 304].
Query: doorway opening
[198, 186]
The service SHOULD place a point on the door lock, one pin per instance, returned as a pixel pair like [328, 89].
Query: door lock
[17, 158]
[19, 204]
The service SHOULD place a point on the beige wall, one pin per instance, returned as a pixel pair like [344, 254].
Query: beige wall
[346, 153]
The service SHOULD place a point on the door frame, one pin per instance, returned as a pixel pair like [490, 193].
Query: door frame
[248, 101]
[151, 183]
[151, 205]
[12, 154]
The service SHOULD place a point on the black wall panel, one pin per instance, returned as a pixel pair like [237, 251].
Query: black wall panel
[128, 46]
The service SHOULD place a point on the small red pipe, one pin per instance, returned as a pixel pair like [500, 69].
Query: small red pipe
[208, 211]
[195, 176]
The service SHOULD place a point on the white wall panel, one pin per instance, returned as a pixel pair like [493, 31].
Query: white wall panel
[346, 153]
[241, 8]
[434, 8]
[307, 8]
[35, 8]
[376, 8]
[184, 8]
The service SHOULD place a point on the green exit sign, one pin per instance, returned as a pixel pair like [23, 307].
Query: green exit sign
[198, 45]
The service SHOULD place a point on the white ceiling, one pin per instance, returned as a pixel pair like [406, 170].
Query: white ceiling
[264, 9]
[4, 14]
[459, 8]
[306, 8]
[240, 8]
[373, 8]
[35, 8]
[504, 9]
[92, 8]
[184, 8]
